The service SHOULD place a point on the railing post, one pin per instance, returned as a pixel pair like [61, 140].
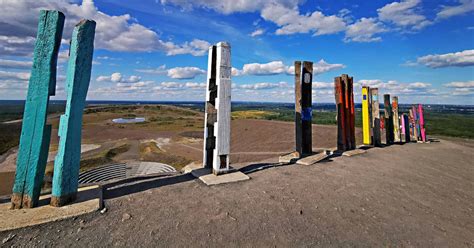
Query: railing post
[68, 158]
[35, 134]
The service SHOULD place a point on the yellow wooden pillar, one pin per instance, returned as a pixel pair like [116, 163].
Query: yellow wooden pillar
[366, 115]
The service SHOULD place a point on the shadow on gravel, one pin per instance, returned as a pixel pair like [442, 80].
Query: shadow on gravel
[261, 166]
[122, 188]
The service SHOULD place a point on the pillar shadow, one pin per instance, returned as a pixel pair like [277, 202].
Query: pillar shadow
[135, 185]
[251, 168]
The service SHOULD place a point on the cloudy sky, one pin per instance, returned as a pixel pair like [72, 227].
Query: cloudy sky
[420, 50]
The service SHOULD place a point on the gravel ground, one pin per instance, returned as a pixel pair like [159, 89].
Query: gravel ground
[412, 195]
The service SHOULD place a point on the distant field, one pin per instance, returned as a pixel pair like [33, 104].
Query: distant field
[439, 121]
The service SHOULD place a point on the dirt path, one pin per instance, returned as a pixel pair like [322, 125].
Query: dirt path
[419, 195]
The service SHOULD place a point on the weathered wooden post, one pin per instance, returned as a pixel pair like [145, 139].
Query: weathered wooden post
[218, 116]
[422, 123]
[396, 120]
[388, 119]
[406, 127]
[303, 107]
[366, 120]
[416, 127]
[35, 135]
[67, 162]
[374, 95]
[343, 87]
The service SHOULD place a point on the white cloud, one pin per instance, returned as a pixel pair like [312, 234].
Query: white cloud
[117, 77]
[193, 85]
[464, 7]
[15, 45]
[364, 30]
[196, 48]
[236, 72]
[404, 14]
[188, 72]
[398, 89]
[322, 66]
[229, 6]
[19, 21]
[6, 75]
[458, 59]
[322, 85]
[278, 67]
[185, 72]
[461, 88]
[15, 64]
[167, 86]
[271, 68]
[291, 21]
[263, 86]
[257, 32]
[468, 84]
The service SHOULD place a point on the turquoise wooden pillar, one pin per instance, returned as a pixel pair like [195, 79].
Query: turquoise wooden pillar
[35, 134]
[66, 164]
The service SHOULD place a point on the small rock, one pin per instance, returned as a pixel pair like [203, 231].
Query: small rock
[103, 210]
[79, 229]
[301, 212]
[82, 221]
[126, 216]
[10, 237]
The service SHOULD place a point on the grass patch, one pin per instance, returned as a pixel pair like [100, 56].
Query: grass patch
[103, 157]
[9, 136]
[150, 152]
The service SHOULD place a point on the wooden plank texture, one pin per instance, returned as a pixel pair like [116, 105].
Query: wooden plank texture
[66, 164]
[34, 139]
[366, 120]
[343, 88]
[375, 109]
[388, 119]
[218, 109]
[422, 123]
[396, 122]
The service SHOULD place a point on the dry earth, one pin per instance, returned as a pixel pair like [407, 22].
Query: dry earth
[412, 195]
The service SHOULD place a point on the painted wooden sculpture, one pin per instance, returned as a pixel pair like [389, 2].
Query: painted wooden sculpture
[375, 107]
[218, 116]
[366, 120]
[343, 87]
[35, 134]
[303, 107]
[389, 137]
[396, 120]
[415, 124]
[66, 164]
[422, 123]
[406, 127]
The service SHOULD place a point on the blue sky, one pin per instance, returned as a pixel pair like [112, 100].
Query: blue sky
[422, 51]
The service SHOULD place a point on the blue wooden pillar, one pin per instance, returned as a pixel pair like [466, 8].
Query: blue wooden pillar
[35, 134]
[66, 164]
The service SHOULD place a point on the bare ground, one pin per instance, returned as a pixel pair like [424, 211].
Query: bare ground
[412, 195]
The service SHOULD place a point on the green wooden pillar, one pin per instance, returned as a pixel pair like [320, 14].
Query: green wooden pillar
[66, 164]
[35, 134]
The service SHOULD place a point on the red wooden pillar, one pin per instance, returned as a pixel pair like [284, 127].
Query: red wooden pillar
[343, 87]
